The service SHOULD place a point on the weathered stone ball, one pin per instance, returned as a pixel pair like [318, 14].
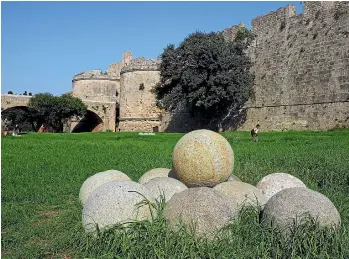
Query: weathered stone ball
[242, 194]
[233, 178]
[165, 186]
[154, 173]
[203, 158]
[273, 183]
[299, 203]
[116, 202]
[202, 210]
[98, 179]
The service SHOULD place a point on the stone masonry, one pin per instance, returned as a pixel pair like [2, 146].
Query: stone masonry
[124, 92]
[301, 63]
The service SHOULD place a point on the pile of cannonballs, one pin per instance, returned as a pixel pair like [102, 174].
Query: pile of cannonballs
[201, 192]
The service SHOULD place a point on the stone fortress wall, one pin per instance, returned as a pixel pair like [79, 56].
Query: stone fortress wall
[301, 64]
[138, 111]
[99, 91]
[121, 96]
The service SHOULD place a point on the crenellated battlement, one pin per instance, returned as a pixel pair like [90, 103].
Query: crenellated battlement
[96, 75]
[277, 20]
[141, 64]
[266, 25]
[229, 34]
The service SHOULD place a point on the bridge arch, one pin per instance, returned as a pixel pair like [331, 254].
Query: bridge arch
[106, 112]
[13, 100]
[91, 122]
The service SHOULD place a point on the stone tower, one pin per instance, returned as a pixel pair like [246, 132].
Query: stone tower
[138, 111]
[99, 91]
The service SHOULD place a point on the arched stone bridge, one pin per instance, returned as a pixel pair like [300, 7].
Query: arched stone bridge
[100, 114]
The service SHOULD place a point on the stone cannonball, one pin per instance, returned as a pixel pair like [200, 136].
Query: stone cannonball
[98, 179]
[299, 203]
[116, 202]
[203, 158]
[240, 194]
[203, 210]
[154, 173]
[165, 186]
[273, 183]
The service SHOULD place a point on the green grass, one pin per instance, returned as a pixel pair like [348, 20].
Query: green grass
[42, 175]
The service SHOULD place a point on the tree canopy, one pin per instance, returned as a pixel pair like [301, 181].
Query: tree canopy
[206, 74]
[46, 109]
[54, 111]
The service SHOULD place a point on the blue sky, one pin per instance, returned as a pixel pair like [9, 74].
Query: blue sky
[44, 44]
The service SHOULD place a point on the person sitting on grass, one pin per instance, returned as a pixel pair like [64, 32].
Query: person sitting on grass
[255, 132]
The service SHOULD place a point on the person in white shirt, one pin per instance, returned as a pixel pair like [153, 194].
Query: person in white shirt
[255, 132]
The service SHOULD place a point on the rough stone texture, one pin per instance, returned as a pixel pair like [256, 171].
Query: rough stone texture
[274, 183]
[204, 210]
[241, 194]
[100, 91]
[299, 203]
[233, 178]
[98, 179]
[141, 64]
[116, 202]
[165, 186]
[106, 112]
[139, 125]
[203, 158]
[14, 100]
[298, 117]
[154, 173]
[301, 66]
[101, 88]
[138, 110]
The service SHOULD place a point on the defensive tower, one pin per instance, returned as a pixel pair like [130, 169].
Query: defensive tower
[138, 111]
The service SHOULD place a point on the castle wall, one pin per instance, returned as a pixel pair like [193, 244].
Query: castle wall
[115, 68]
[106, 111]
[138, 111]
[96, 86]
[14, 100]
[100, 91]
[301, 63]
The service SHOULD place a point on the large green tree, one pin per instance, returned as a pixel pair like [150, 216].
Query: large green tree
[17, 116]
[54, 111]
[207, 74]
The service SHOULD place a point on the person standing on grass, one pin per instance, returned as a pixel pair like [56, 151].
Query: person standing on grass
[16, 130]
[255, 132]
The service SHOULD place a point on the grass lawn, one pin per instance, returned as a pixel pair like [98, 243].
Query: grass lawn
[42, 174]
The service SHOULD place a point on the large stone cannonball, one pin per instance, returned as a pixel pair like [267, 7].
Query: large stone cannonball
[165, 186]
[98, 179]
[203, 158]
[116, 202]
[299, 203]
[203, 210]
[242, 194]
[154, 173]
[273, 183]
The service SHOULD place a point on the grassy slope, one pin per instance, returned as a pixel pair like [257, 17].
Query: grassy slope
[42, 175]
